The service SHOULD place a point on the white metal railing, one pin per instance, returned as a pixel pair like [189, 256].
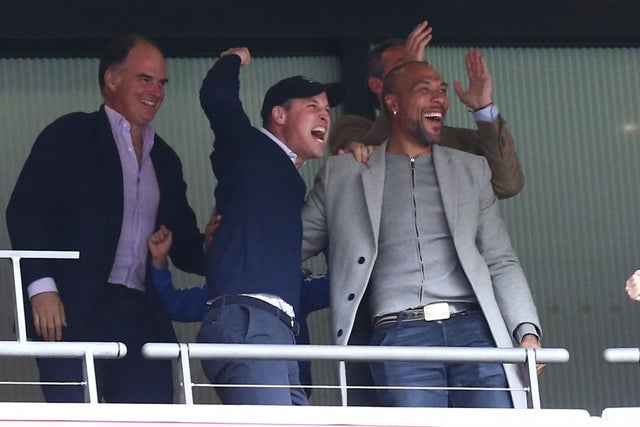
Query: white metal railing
[62, 349]
[16, 256]
[185, 352]
[622, 355]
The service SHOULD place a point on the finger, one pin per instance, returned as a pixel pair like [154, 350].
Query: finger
[417, 30]
[468, 62]
[45, 326]
[422, 44]
[36, 324]
[473, 66]
[484, 68]
[58, 329]
[52, 326]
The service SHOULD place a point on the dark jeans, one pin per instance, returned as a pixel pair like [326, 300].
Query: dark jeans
[468, 330]
[238, 323]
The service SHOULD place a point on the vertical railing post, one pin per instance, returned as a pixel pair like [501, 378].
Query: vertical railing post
[533, 400]
[18, 311]
[186, 385]
[89, 372]
[342, 374]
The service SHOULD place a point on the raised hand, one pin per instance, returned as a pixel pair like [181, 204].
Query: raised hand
[480, 91]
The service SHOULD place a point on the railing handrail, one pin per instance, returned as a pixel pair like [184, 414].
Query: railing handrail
[62, 349]
[185, 352]
[353, 353]
[622, 355]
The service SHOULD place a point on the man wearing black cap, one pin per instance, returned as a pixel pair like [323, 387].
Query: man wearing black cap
[253, 271]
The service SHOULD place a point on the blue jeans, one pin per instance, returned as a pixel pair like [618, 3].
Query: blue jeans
[238, 324]
[467, 330]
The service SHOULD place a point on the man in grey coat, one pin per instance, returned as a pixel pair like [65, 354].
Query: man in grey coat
[417, 249]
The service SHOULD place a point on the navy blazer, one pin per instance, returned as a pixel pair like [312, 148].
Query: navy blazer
[259, 195]
[69, 196]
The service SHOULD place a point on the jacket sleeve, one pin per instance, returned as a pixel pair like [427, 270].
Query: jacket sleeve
[315, 293]
[315, 236]
[182, 305]
[220, 101]
[510, 286]
[349, 128]
[34, 215]
[174, 211]
[497, 146]
[493, 141]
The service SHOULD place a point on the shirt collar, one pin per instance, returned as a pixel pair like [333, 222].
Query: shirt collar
[118, 121]
[293, 156]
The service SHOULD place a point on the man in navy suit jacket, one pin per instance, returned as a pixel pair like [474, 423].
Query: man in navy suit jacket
[253, 264]
[101, 183]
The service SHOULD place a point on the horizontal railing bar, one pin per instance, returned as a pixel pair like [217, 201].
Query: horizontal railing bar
[40, 254]
[622, 355]
[353, 353]
[63, 349]
[333, 387]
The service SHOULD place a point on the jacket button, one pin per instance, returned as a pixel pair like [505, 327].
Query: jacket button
[339, 332]
[351, 297]
[361, 260]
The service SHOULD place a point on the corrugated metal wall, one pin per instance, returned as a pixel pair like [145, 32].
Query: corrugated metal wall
[575, 115]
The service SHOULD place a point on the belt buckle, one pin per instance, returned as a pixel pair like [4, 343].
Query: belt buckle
[436, 311]
[295, 326]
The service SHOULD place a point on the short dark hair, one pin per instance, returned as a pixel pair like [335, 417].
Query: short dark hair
[116, 52]
[267, 119]
[375, 65]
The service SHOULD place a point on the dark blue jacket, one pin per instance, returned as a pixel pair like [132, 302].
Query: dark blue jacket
[259, 195]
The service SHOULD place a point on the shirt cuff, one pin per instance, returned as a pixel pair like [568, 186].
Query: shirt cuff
[487, 114]
[525, 329]
[45, 284]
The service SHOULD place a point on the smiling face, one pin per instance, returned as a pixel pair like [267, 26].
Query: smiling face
[418, 95]
[136, 88]
[303, 125]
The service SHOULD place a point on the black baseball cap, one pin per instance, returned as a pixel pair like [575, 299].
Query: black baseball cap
[300, 87]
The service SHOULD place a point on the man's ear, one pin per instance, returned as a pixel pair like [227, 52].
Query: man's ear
[375, 85]
[278, 115]
[391, 103]
[110, 80]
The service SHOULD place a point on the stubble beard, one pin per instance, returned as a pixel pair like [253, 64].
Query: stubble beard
[424, 139]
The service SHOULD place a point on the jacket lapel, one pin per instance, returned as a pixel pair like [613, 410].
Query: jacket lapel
[110, 163]
[448, 184]
[373, 183]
